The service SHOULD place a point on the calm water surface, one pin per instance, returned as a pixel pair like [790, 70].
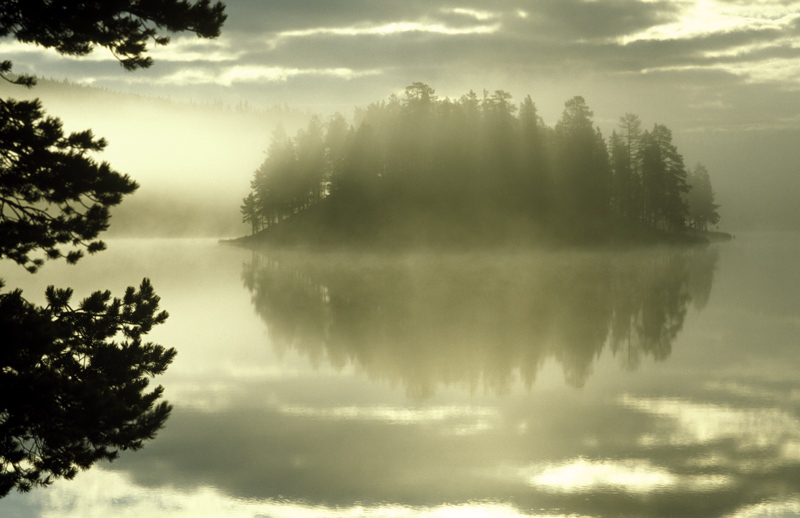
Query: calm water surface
[651, 384]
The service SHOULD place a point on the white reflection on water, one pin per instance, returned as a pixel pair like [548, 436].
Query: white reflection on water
[100, 493]
[393, 415]
[699, 423]
[450, 419]
[789, 509]
[750, 391]
[710, 428]
[630, 475]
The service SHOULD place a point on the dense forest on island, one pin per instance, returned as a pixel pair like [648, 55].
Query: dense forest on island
[477, 171]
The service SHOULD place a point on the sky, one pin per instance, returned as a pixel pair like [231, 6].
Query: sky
[724, 75]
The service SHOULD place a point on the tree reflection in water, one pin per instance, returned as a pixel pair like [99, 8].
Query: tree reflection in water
[483, 319]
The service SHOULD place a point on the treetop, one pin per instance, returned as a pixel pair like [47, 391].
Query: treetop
[75, 27]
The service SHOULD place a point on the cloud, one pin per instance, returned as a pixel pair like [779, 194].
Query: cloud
[629, 475]
[702, 18]
[388, 29]
[230, 76]
[190, 49]
[691, 64]
[417, 40]
[101, 493]
[471, 13]
[703, 423]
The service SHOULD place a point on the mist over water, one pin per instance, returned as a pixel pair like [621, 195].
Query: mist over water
[482, 320]
[655, 382]
[494, 292]
[468, 376]
[191, 160]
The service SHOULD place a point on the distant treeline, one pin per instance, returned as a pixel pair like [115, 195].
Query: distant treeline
[476, 165]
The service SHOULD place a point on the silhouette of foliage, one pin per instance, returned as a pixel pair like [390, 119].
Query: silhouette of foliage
[52, 192]
[75, 27]
[74, 380]
[421, 169]
[700, 199]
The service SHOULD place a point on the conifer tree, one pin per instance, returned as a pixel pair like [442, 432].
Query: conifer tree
[249, 210]
[700, 199]
[430, 168]
[74, 378]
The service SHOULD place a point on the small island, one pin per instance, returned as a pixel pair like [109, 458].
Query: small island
[420, 171]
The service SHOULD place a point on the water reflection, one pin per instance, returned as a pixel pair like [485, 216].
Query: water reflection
[708, 455]
[713, 432]
[472, 320]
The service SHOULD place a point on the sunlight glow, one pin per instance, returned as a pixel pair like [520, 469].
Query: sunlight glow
[472, 13]
[714, 18]
[16, 47]
[742, 51]
[784, 72]
[707, 422]
[772, 509]
[99, 492]
[752, 391]
[178, 50]
[394, 415]
[242, 74]
[12, 48]
[249, 74]
[706, 17]
[629, 475]
[196, 49]
[583, 474]
[387, 29]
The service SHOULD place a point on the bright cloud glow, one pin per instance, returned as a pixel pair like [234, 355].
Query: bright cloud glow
[784, 72]
[195, 49]
[705, 422]
[749, 49]
[12, 49]
[178, 50]
[472, 13]
[630, 475]
[582, 474]
[394, 415]
[705, 17]
[281, 74]
[15, 47]
[229, 76]
[753, 391]
[769, 510]
[388, 29]
[99, 493]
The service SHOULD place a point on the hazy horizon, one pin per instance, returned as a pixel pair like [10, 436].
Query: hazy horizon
[516, 258]
[720, 74]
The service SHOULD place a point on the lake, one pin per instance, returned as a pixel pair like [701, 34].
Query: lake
[649, 383]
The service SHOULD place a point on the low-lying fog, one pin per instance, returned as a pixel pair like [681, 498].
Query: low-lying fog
[194, 162]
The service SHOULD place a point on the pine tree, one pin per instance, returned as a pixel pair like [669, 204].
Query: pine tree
[74, 379]
[250, 214]
[700, 198]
